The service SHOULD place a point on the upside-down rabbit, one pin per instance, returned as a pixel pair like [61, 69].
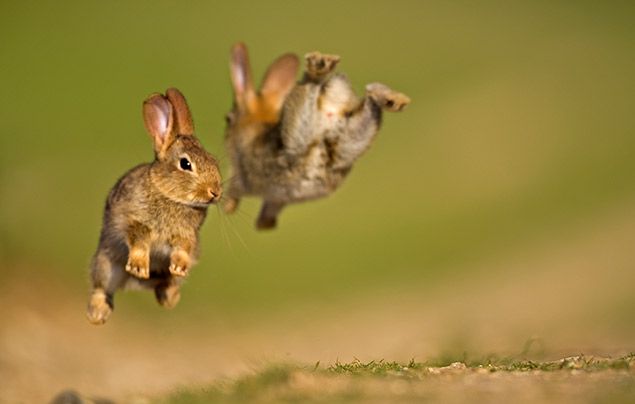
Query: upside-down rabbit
[293, 142]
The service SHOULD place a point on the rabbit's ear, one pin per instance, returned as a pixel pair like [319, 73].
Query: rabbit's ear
[158, 118]
[241, 76]
[279, 80]
[183, 123]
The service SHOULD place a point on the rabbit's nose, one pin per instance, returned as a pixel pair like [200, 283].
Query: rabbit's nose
[213, 195]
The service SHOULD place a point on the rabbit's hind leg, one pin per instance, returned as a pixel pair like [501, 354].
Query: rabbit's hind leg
[106, 278]
[168, 293]
[100, 306]
[387, 98]
[319, 65]
[363, 123]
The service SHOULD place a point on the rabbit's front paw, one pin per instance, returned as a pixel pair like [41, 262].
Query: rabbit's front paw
[138, 263]
[319, 64]
[179, 263]
[386, 97]
[99, 307]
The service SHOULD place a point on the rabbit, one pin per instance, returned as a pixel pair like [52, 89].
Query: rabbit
[290, 142]
[149, 237]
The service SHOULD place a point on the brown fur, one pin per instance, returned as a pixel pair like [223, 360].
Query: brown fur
[153, 214]
[301, 148]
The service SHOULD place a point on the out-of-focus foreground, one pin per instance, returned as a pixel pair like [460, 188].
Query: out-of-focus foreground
[495, 216]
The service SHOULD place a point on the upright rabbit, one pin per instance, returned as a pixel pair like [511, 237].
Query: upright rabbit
[153, 213]
[293, 142]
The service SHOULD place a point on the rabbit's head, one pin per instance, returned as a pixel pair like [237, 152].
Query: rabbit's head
[256, 111]
[182, 171]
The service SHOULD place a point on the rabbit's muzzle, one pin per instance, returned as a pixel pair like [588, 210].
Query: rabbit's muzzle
[213, 195]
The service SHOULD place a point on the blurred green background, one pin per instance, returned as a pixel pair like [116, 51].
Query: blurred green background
[521, 126]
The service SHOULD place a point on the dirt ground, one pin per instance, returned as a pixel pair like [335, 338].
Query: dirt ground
[569, 294]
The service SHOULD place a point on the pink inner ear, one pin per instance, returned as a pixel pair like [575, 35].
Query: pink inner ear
[162, 118]
[240, 69]
[157, 114]
[159, 120]
[162, 123]
[240, 79]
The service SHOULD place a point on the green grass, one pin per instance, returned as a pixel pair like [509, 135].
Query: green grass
[375, 381]
[581, 362]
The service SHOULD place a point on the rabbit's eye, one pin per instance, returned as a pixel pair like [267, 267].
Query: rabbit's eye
[185, 164]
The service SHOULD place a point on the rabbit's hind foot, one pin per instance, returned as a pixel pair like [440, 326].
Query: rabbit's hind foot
[100, 307]
[318, 65]
[168, 295]
[387, 98]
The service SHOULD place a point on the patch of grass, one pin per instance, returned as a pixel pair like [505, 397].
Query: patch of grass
[581, 362]
[572, 363]
[380, 367]
[385, 381]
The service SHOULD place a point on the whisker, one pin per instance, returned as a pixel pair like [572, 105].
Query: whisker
[240, 238]
[223, 230]
[245, 216]
[226, 180]
[226, 221]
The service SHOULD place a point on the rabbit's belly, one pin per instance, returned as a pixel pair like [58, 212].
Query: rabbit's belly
[310, 189]
[133, 283]
[311, 184]
[277, 178]
[317, 187]
[316, 178]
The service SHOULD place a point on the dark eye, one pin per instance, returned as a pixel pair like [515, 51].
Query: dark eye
[185, 164]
